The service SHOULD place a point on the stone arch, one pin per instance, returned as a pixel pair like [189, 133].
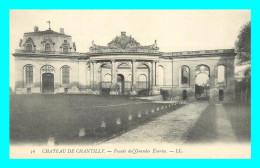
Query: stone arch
[125, 64]
[47, 68]
[207, 69]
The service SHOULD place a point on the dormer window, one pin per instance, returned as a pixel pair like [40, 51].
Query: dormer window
[28, 47]
[29, 44]
[47, 47]
[65, 49]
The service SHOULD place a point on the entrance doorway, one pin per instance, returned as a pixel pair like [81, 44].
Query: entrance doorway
[221, 95]
[121, 83]
[47, 83]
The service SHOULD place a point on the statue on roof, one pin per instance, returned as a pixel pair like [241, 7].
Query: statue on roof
[74, 47]
[20, 43]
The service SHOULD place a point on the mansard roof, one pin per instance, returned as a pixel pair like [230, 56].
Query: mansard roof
[46, 32]
[123, 44]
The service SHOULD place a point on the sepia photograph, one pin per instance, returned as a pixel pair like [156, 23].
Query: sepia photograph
[130, 84]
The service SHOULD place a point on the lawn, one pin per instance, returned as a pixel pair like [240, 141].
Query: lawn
[240, 118]
[35, 118]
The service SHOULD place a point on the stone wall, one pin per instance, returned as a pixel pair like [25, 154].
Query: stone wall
[80, 81]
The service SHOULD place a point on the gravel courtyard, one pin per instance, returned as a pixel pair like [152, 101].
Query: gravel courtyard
[198, 122]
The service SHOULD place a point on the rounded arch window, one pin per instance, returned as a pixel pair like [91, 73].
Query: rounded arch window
[185, 75]
[221, 74]
[65, 74]
[29, 74]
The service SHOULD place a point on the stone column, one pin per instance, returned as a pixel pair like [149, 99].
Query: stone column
[152, 76]
[94, 73]
[91, 74]
[114, 90]
[156, 89]
[113, 72]
[155, 74]
[133, 85]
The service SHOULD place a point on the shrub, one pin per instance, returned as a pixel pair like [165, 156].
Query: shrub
[143, 92]
[106, 91]
[165, 94]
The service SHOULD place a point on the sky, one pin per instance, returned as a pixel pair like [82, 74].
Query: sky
[174, 30]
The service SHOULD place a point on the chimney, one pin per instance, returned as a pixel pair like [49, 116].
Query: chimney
[61, 30]
[36, 28]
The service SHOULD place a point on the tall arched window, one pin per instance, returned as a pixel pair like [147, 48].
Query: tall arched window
[221, 74]
[47, 47]
[185, 75]
[29, 74]
[28, 47]
[65, 49]
[65, 75]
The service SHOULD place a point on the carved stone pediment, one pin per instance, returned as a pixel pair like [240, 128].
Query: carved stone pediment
[29, 41]
[124, 43]
[47, 40]
[65, 43]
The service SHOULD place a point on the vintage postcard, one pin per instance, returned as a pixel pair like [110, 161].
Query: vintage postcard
[130, 84]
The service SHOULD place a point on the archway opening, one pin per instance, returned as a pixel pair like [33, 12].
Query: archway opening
[121, 84]
[202, 82]
[124, 72]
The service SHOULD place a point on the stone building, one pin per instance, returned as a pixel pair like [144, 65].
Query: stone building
[47, 62]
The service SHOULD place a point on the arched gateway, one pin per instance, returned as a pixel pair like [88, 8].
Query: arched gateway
[202, 82]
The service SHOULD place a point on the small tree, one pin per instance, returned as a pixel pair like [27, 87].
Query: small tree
[243, 45]
[243, 50]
